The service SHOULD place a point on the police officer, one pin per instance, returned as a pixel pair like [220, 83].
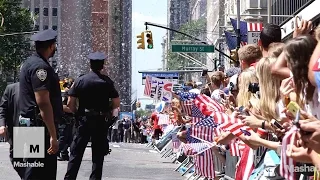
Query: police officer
[93, 91]
[65, 126]
[40, 101]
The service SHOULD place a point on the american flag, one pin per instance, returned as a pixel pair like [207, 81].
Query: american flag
[198, 148]
[207, 105]
[186, 107]
[147, 86]
[195, 112]
[234, 148]
[246, 164]
[204, 164]
[191, 139]
[254, 27]
[209, 122]
[228, 123]
[286, 162]
[202, 132]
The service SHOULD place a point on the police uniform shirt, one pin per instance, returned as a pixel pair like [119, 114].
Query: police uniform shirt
[93, 91]
[36, 75]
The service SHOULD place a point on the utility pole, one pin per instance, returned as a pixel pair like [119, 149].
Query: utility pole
[238, 25]
[269, 10]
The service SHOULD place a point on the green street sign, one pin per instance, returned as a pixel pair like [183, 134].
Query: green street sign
[193, 48]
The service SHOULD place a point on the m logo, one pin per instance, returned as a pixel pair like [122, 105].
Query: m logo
[34, 148]
[28, 142]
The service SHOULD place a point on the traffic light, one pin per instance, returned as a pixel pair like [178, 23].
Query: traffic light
[234, 54]
[140, 41]
[138, 104]
[149, 40]
[61, 85]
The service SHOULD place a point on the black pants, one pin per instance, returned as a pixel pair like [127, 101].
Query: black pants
[94, 127]
[19, 170]
[65, 139]
[114, 135]
[121, 133]
[49, 171]
[157, 133]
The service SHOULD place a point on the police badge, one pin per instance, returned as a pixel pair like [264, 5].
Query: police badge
[41, 74]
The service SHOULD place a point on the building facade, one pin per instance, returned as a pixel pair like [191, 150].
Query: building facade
[119, 66]
[47, 14]
[178, 14]
[198, 9]
[86, 26]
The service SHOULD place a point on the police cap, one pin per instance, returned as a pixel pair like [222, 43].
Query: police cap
[97, 56]
[45, 35]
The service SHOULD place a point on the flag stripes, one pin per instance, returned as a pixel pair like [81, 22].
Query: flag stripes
[147, 86]
[254, 26]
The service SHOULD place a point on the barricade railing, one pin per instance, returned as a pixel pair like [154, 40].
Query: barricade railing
[186, 166]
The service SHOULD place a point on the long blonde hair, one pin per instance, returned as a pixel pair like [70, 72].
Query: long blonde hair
[245, 78]
[269, 89]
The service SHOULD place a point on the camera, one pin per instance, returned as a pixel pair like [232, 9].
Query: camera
[253, 87]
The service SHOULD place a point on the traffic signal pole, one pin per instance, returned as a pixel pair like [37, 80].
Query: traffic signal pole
[187, 35]
[238, 25]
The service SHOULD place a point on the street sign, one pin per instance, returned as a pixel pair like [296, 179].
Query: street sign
[192, 48]
[169, 76]
[254, 37]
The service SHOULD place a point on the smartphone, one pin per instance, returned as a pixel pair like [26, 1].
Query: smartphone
[276, 124]
[241, 110]
[204, 72]
[293, 107]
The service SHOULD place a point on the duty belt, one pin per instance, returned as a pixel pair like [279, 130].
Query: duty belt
[95, 113]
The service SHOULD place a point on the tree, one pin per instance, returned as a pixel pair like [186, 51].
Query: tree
[13, 48]
[195, 28]
[141, 112]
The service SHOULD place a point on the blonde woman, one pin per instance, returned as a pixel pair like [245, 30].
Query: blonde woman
[245, 79]
[269, 89]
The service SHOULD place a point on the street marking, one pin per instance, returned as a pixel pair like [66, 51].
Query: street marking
[153, 151]
[116, 146]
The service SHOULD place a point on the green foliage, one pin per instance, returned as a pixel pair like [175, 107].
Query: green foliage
[141, 112]
[13, 48]
[196, 28]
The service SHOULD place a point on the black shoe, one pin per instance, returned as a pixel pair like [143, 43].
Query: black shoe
[61, 158]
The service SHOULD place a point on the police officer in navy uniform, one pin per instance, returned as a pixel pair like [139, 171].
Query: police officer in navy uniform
[93, 90]
[40, 101]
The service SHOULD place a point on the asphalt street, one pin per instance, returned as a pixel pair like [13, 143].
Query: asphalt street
[126, 161]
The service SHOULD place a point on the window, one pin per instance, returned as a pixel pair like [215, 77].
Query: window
[45, 11]
[36, 11]
[45, 27]
[54, 27]
[54, 11]
[36, 27]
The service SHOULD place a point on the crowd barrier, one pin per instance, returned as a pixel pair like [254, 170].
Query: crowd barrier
[185, 165]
